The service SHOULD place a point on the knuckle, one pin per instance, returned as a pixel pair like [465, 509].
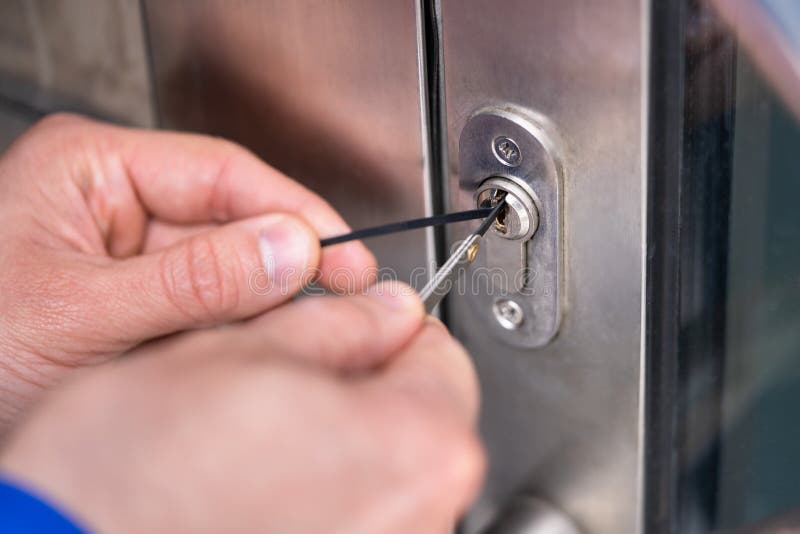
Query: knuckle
[54, 132]
[363, 326]
[435, 334]
[458, 381]
[60, 119]
[462, 473]
[196, 281]
[458, 458]
[57, 123]
[446, 451]
[436, 339]
[233, 148]
[357, 331]
[467, 466]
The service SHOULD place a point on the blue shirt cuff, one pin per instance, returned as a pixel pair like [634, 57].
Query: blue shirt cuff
[23, 511]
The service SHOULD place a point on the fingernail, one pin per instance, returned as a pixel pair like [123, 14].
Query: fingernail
[285, 246]
[395, 295]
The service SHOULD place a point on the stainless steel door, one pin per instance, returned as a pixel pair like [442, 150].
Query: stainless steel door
[327, 92]
[343, 96]
[562, 422]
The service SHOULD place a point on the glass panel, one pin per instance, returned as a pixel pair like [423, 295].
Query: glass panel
[724, 327]
[760, 450]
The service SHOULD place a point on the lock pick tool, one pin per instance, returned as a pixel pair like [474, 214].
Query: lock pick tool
[445, 277]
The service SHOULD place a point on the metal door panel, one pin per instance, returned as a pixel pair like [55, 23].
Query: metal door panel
[563, 422]
[327, 92]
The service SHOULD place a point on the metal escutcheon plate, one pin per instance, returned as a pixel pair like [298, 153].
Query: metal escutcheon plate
[520, 146]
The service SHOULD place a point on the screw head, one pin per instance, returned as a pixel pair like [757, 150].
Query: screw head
[508, 313]
[507, 151]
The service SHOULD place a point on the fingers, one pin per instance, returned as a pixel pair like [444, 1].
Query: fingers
[409, 424]
[232, 272]
[428, 394]
[183, 179]
[370, 464]
[347, 332]
[161, 235]
[218, 181]
[435, 368]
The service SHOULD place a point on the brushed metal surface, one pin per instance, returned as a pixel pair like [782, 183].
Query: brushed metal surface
[327, 92]
[562, 422]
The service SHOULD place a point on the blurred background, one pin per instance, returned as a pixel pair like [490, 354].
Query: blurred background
[83, 55]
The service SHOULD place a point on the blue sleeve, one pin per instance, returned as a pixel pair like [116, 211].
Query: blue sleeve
[22, 511]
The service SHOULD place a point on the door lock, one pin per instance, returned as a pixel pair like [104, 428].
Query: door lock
[516, 279]
[520, 219]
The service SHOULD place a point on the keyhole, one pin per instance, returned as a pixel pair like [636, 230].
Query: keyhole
[500, 222]
[519, 219]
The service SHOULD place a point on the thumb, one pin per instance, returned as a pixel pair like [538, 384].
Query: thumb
[232, 272]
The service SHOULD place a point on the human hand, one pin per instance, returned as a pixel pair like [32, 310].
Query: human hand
[112, 236]
[334, 414]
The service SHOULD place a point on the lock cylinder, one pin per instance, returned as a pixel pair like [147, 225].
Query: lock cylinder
[520, 218]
